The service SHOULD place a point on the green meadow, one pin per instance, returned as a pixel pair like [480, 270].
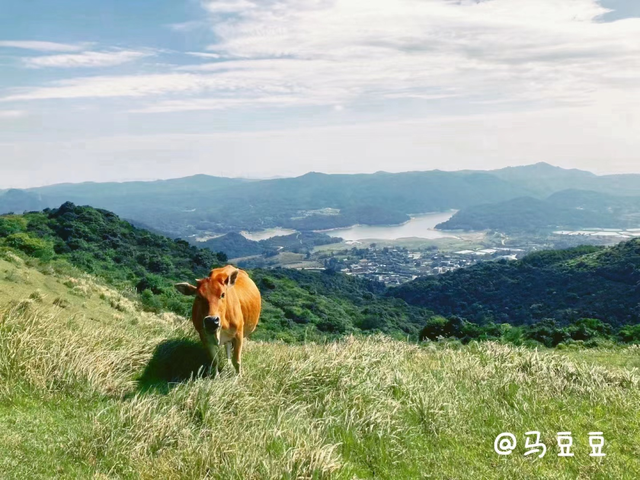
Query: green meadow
[91, 386]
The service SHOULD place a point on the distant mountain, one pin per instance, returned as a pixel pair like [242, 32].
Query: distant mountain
[194, 205]
[543, 179]
[202, 204]
[584, 282]
[19, 201]
[192, 184]
[569, 209]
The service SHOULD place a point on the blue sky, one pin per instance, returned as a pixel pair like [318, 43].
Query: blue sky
[116, 90]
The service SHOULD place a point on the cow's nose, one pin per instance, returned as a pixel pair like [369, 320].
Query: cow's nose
[211, 324]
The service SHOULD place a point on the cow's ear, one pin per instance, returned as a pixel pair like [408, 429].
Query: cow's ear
[231, 281]
[186, 288]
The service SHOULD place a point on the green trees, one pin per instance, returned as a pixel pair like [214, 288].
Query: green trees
[547, 332]
[566, 285]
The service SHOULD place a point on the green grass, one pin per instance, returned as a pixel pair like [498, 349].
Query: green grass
[98, 389]
[623, 357]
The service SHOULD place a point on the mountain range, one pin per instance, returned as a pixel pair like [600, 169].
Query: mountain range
[535, 196]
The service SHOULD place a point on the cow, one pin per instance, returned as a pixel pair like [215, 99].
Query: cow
[226, 309]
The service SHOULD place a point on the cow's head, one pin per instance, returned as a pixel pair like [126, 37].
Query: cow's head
[210, 303]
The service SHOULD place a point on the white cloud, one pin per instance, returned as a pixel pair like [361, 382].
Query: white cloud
[199, 104]
[204, 55]
[41, 46]
[551, 82]
[126, 86]
[344, 52]
[84, 59]
[12, 113]
[228, 6]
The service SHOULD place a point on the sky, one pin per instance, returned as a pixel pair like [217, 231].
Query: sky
[118, 90]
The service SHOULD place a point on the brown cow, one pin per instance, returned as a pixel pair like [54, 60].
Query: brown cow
[226, 309]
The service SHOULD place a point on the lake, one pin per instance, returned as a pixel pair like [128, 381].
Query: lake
[420, 226]
[265, 234]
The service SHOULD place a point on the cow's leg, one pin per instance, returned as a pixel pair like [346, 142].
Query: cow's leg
[214, 353]
[228, 352]
[223, 360]
[237, 353]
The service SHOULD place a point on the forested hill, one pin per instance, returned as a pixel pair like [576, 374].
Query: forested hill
[568, 209]
[297, 305]
[584, 282]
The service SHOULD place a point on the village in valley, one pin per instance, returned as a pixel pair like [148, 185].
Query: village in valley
[394, 265]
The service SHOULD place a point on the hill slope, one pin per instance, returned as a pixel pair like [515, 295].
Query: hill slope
[297, 305]
[567, 209]
[90, 387]
[590, 282]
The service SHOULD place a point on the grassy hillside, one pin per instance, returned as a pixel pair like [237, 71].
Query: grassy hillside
[584, 282]
[92, 387]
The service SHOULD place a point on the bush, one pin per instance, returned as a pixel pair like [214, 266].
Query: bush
[333, 325]
[11, 224]
[150, 302]
[547, 332]
[35, 247]
[630, 334]
[151, 282]
[438, 326]
[588, 329]
[511, 334]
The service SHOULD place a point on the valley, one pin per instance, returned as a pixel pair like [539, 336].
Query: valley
[345, 222]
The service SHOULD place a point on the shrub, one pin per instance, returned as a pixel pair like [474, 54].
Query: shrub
[11, 224]
[630, 334]
[547, 332]
[35, 247]
[438, 326]
[589, 328]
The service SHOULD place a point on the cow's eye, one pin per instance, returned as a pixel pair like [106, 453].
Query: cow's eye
[222, 296]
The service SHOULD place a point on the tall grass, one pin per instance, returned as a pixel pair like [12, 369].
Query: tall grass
[91, 391]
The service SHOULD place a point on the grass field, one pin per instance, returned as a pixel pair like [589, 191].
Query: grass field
[90, 387]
